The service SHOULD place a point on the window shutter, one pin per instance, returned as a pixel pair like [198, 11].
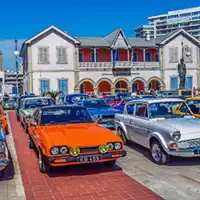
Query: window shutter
[173, 54]
[40, 55]
[61, 55]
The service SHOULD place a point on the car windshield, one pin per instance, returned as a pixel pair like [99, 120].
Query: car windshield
[168, 109]
[194, 106]
[35, 103]
[67, 115]
[10, 101]
[99, 103]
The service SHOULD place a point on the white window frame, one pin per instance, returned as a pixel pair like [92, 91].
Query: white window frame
[41, 60]
[64, 57]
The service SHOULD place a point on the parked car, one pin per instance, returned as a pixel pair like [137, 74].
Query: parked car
[101, 112]
[3, 123]
[20, 103]
[121, 104]
[4, 155]
[194, 105]
[9, 104]
[155, 125]
[112, 100]
[73, 98]
[28, 107]
[69, 136]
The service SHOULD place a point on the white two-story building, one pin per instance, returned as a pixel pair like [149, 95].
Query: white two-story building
[53, 60]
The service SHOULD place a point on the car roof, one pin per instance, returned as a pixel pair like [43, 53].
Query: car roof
[59, 107]
[74, 95]
[38, 98]
[193, 98]
[158, 100]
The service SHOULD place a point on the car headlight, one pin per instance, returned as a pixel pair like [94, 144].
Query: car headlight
[2, 147]
[103, 148]
[54, 150]
[63, 150]
[117, 145]
[111, 146]
[74, 151]
[176, 135]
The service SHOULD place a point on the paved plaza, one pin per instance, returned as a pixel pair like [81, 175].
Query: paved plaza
[134, 177]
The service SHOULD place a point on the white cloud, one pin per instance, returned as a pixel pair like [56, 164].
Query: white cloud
[7, 47]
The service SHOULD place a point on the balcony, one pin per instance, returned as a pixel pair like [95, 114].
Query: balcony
[102, 65]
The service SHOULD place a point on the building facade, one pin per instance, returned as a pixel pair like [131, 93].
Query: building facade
[53, 60]
[159, 25]
[10, 82]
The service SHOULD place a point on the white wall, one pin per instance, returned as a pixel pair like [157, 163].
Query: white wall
[53, 71]
[171, 69]
[52, 41]
[53, 78]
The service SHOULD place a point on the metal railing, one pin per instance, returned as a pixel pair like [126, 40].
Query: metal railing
[87, 65]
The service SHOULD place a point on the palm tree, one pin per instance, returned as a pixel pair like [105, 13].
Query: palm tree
[53, 94]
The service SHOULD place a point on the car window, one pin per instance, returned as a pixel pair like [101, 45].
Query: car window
[141, 110]
[130, 109]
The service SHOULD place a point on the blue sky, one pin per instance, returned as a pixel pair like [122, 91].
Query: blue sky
[22, 19]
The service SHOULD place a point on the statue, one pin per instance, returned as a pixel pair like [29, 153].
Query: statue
[182, 73]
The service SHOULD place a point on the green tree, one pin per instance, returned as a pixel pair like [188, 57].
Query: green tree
[53, 94]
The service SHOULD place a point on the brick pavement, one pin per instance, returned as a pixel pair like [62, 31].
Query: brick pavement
[90, 182]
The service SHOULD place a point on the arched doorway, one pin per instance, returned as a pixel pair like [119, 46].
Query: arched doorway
[121, 86]
[104, 86]
[154, 85]
[138, 85]
[86, 87]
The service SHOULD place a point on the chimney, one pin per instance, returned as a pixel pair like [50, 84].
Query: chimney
[1, 61]
[147, 35]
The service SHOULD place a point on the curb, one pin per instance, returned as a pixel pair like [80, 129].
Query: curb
[17, 176]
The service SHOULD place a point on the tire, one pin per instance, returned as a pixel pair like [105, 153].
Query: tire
[122, 135]
[26, 128]
[30, 143]
[158, 155]
[1, 174]
[43, 165]
[110, 163]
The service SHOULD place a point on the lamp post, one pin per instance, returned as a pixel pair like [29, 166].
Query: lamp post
[16, 54]
[185, 50]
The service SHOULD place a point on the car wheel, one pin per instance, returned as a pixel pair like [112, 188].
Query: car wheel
[1, 174]
[30, 143]
[122, 135]
[43, 166]
[26, 128]
[158, 155]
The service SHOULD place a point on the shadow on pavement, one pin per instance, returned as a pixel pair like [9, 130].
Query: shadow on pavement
[9, 172]
[175, 161]
[82, 169]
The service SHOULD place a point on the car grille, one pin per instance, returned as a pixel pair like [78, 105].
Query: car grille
[88, 149]
[189, 143]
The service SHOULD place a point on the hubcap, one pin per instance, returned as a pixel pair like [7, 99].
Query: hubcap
[156, 152]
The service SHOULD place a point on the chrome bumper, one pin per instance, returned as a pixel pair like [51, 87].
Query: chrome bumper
[185, 152]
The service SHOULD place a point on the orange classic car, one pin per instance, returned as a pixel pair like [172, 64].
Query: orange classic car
[4, 122]
[67, 135]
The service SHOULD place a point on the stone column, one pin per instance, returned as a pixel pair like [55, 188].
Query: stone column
[111, 54]
[95, 55]
[128, 51]
[144, 57]
[30, 71]
[76, 70]
[161, 63]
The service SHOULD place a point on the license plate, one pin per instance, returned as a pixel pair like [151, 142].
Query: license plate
[90, 158]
